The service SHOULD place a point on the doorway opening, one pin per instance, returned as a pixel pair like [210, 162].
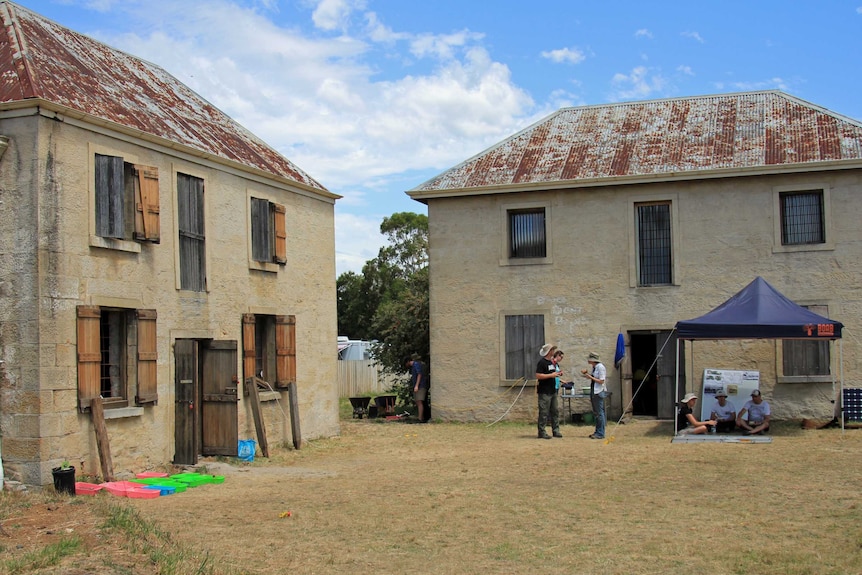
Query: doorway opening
[644, 382]
[653, 364]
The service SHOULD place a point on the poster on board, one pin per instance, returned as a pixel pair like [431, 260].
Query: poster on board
[737, 384]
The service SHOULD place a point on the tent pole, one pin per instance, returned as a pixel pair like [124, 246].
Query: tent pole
[676, 386]
[841, 377]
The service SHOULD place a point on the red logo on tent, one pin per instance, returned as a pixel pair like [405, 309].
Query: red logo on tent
[809, 329]
[826, 329]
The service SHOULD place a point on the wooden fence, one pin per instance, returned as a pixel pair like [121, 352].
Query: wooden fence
[361, 377]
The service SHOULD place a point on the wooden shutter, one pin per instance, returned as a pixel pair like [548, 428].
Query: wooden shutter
[109, 196]
[147, 357]
[280, 231]
[248, 356]
[285, 349]
[89, 355]
[147, 204]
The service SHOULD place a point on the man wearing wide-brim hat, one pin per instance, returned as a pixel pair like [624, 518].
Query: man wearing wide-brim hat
[546, 388]
[598, 392]
[723, 412]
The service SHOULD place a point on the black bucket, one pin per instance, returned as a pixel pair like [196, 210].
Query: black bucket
[64, 479]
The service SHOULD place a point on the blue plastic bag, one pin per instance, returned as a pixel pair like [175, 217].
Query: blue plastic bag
[246, 449]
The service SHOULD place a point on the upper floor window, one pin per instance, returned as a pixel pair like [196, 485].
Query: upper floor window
[268, 231]
[527, 233]
[524, 335]
[802, 218]
[190, 226]
[654, 243]
[127, 200]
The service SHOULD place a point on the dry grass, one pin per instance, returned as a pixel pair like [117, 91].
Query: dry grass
[448, 498]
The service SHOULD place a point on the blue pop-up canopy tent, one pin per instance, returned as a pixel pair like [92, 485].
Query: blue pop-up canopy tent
[759, 311]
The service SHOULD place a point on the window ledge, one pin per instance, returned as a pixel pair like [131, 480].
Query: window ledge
[527, 261]
[804, 379]
[269, 395]
[829, 246]
[517, 383]
[263, 266]
[122, 412]
[114, 244]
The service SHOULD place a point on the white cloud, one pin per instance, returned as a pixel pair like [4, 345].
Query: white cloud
[643, 33]
[321, 98]
[639, 84]
[335, 14]
[357, 240]
[770, 84]
[859, 10]
[685, 70]
[567, 55]
[379, 32]
[443, 46]
[695, 36]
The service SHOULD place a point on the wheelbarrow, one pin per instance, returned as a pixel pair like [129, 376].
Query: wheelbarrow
[360, 406]
[385, 404]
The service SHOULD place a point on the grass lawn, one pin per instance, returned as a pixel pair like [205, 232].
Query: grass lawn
[397, 497]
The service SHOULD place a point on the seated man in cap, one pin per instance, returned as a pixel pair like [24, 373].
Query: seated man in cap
[723, 412]
[686, 422]
[754, 416]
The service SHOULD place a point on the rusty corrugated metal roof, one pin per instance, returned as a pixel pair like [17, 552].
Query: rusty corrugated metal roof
[714, 135]
[43, 60]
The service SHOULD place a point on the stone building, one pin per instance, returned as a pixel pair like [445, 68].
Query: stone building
[154, 255]
[626, 218]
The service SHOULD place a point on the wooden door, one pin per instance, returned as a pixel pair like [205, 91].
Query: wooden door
[186, 386]
[219, 398]
[666, 374]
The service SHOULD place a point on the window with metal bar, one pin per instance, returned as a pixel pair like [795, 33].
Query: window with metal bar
[112, 345]
[525, 335]
[802, 220]
[655, 247]
[527, 233]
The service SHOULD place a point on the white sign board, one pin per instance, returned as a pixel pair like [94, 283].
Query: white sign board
[737, 384]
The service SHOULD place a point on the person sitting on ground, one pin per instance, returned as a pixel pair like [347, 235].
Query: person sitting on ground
[723, 412]
[686, 422]
[754, 416]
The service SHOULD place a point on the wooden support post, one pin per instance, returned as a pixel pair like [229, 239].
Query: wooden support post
[98, 414]
[294, 415]
[254, 399]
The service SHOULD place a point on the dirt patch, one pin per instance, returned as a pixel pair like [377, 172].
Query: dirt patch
[449, 498]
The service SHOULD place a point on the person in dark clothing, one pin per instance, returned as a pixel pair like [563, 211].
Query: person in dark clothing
[686, 422]
[547, 374]
[419, 384]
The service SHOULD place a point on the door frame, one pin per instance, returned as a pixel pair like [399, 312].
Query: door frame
[663, 368]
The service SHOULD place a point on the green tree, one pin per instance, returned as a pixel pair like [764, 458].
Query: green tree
[388, 301]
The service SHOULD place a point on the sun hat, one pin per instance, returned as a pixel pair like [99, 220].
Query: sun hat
[720, 393]
[688, 397]
[755, 393]
[593, 356]
[546, 349]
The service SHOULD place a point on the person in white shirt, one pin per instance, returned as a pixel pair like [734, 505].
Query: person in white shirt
[598, 393]
[754, 416]
[723, 412]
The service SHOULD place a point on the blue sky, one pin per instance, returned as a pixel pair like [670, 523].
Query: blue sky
[373, 97]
